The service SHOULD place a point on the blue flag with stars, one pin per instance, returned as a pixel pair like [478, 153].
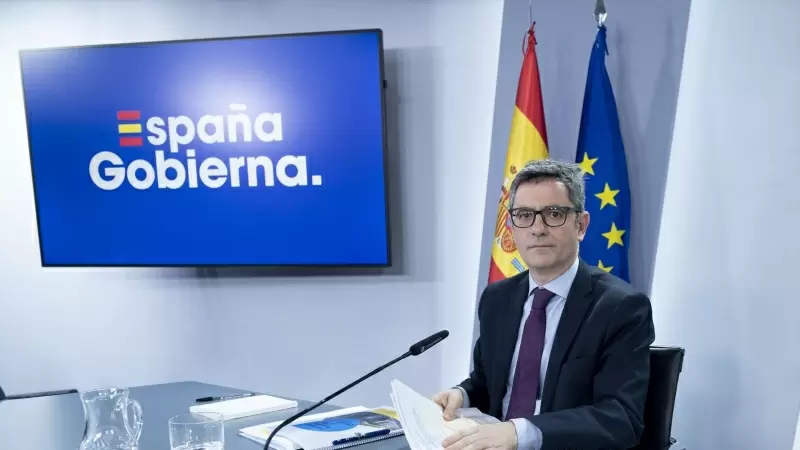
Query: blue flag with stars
[601, 156]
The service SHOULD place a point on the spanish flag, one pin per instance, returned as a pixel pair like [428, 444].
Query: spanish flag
[528, 141]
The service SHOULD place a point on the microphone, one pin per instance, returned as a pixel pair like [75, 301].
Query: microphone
[415, 350]
[428, 342]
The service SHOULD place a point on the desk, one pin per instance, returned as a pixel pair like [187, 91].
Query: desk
[57, 423]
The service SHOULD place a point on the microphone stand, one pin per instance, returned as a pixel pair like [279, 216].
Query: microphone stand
[328, 398]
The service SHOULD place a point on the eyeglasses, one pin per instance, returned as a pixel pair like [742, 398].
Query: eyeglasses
[553, 216]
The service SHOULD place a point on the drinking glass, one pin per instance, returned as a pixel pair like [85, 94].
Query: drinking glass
[192, 431]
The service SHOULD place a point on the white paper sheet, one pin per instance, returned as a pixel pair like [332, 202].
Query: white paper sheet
[423, 420]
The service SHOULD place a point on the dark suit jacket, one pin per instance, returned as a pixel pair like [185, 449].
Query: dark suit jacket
[596, 383]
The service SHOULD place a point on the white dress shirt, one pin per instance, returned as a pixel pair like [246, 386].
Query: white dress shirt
[529, 436]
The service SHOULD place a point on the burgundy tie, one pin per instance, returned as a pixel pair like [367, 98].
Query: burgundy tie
[525, 389]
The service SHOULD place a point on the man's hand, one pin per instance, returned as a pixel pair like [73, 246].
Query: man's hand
[495, 436]
[449, 400]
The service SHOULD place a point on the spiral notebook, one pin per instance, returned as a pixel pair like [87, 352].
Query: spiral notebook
[334, 430]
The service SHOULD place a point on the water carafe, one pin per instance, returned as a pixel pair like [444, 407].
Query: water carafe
[113, 420]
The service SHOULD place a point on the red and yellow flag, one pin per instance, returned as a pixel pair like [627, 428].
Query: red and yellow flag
[528, 141]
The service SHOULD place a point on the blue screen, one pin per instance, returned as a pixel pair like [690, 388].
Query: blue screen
[247, 151]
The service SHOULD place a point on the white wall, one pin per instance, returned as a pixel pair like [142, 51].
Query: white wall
[469, 39]
[79, 328]
[725, 276]
[283, 333]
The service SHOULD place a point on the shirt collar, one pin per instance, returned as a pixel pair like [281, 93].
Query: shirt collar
[559, 286]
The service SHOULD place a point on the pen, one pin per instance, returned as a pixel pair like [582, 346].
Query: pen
[359, 436]
[217, 399]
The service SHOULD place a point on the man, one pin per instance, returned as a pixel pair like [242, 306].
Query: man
[563, 353]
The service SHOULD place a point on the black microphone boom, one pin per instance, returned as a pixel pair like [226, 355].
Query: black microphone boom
[428, 342]
[414, 350]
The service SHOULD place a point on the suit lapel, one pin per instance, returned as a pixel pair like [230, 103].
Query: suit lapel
[508, 339]
[575, 308]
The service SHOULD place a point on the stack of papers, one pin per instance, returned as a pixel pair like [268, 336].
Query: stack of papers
[342, 428]
[244, 407]
[423, 420]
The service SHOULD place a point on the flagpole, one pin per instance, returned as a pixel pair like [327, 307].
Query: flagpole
[530, 12]
[600, 13]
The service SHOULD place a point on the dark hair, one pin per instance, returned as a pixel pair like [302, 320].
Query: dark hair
[568, 173]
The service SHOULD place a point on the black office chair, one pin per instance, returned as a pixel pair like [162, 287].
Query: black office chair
[666, 364]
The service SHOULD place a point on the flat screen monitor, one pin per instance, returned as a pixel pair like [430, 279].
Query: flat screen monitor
[251, 151]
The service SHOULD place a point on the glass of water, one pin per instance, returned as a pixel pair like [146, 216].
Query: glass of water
[192, 431]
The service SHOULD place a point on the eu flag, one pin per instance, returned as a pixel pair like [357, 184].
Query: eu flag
[601, 155]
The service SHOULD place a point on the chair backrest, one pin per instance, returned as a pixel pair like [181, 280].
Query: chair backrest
[666, 364]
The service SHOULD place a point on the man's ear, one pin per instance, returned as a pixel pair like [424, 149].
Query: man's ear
[583, 225]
